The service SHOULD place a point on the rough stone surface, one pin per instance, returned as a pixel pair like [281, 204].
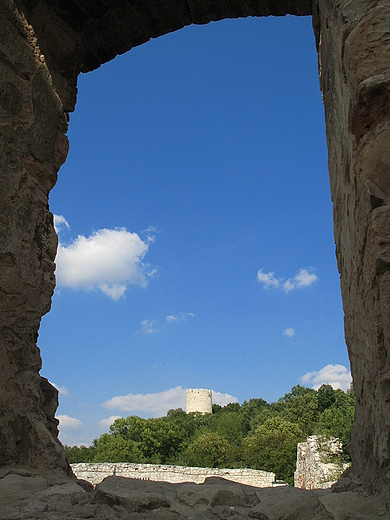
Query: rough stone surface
[319, 463]
[44, 45]
[25, 494]
[95, 473]
[32, 148]
[354, 53]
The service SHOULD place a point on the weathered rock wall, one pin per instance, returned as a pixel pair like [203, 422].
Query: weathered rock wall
[95, 473]
[32, 148]
[45, 44]
[354, 54]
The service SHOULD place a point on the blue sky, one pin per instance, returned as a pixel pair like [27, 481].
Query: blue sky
[195, 227]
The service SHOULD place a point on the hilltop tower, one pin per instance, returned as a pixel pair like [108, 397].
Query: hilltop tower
[199, 400]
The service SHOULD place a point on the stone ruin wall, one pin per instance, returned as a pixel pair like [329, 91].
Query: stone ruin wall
[44, 45]
[314, 469]
[199, 400]
[95, 473]
[319, 463]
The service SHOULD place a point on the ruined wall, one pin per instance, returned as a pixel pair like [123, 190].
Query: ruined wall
[45, 44]
[95, 473]
[319, 463]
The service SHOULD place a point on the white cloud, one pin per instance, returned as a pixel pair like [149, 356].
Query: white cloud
[182, 316]
[268, 279]
[159, 403]
[302, 279]
[149, 326]
[288, 286]
[150, 234]
[290, 332]
[63, 391]
[110, 260]
[114, 291]
[69, 423]
[60, 222]
[337, 376]
[223, 399]
[106, 423]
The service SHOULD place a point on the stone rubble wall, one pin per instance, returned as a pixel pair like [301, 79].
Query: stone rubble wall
[95, 473]
[319, 463]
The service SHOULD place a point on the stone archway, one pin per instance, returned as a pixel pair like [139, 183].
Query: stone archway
[44, 45]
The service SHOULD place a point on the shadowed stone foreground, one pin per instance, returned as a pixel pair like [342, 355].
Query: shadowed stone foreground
[25, 494]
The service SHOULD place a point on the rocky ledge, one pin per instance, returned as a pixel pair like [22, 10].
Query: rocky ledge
[25, 494]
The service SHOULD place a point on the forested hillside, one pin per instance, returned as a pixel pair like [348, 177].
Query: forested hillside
[254, 435]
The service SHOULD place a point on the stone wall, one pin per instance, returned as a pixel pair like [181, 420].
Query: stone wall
[95, 473]
[199, 400]
[319, 463]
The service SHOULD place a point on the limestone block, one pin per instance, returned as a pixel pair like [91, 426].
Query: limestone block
[319, 463]
[96, 472]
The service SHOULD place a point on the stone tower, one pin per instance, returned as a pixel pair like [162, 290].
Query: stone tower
[199, 400]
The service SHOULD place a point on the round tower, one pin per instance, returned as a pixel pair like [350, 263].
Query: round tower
[199, 400]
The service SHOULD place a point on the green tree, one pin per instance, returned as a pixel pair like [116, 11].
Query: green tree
[231, 408]
[272, 446]
[344, 399]
[326, 397]
[336, 421]
[301, 407]
[77, 454]
[264, 414]
[250, 410]
[115, 448]
[229, 426]
[216, 408]
[158, 440]
[185, 422]
[296, 391]
[207, 451]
